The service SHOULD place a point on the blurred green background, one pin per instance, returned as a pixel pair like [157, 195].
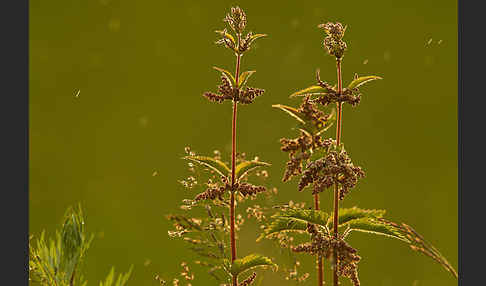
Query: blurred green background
[141, 67]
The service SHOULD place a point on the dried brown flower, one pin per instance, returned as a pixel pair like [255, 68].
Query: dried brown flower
[325, 245]
[211, 194]
[352, 97]
[335, 168]
[247, 190]
[226, 92]
[299, 151]
[333, 42]
[236, 19]
[248, 94]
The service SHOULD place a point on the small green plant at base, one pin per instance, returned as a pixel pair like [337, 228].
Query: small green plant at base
[324, 164]
[226, 184]
[59, 261]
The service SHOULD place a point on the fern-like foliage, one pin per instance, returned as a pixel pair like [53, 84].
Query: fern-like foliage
[112, 280]
[58, 261]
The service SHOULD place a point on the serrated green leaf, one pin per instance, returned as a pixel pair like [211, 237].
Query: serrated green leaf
[401, 232]
[297, 219]
[249, 262]
[359, 220]
[362, 80]
[244, 78]
[227, 74]
[294, 220]
[315, 89]
[349, 214]
[283, 224]
[211, 163]
[244, 167]
[372, 226]
[291, 111]
[311, 216]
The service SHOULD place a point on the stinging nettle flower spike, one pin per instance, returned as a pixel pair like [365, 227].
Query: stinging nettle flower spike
[236, 19]
[228, 184]
[323, 163]
[333, 42]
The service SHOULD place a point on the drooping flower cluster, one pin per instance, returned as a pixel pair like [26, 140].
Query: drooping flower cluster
[248, 190]
[212, 192]
[324, 245]
[335, 168]
[226, 91]
[300, 149]
[311, 113]
[217, 190]
[299, 152]
[248, 94]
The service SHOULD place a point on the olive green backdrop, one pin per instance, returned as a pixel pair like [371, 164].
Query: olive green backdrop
[141, 67]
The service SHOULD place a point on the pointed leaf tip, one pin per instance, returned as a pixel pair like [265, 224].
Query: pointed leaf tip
[249, 262]
[362, 80]
[244, 78]
[291, 111]
[315, 89]
[211, 163]
[229, 76]
[244, 167]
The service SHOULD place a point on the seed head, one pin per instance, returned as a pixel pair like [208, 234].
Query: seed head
[246, 189]
[236, 19]
[333, 43]
[335, 167]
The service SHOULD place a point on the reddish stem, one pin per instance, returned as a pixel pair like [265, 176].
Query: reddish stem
[336, 187]
[320, 267]
[233, 163]
[232, 198]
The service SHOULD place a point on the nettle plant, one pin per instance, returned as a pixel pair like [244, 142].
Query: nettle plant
[213, 235]
[59, 261]
[324, 164]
